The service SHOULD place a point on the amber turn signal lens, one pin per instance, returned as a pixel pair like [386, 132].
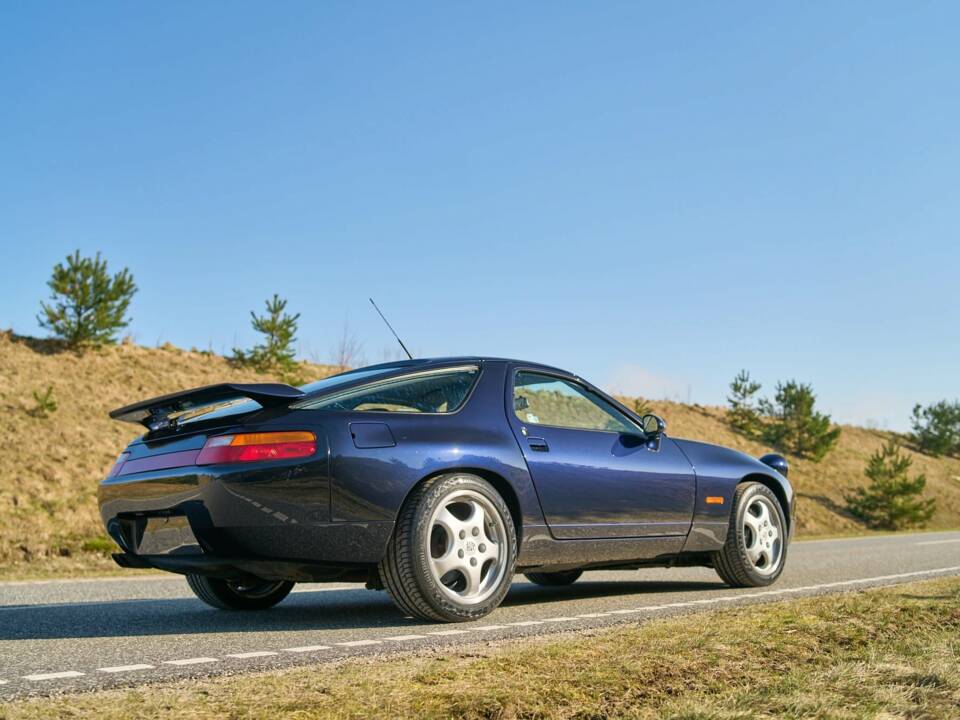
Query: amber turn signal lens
[714, 500]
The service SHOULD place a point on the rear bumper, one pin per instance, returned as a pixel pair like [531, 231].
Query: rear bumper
[269, 522]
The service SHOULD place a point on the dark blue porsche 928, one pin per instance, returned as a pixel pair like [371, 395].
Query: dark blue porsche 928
[436, 480]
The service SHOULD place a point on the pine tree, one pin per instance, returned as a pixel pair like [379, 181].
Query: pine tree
[276, 353]
[936, 428]
[892, 499]
[793, 425]
[743, 414]
[87, 305]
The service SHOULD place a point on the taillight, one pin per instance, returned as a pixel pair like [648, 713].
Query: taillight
[257, 447]
[118, 464]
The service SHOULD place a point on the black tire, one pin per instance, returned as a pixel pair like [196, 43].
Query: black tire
[732, 563]
[406, 567]
[236, 595]
[554, 579]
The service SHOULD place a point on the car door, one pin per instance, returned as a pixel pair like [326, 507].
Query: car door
[593, 470]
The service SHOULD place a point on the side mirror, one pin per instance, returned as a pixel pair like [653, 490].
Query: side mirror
[653, 425]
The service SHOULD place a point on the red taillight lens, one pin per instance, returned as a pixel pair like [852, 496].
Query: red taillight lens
[118, 464]
[257, 447]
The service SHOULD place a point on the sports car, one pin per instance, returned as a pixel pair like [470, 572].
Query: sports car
[433, 479]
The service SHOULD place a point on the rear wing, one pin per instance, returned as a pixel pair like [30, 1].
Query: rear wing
[155, 414]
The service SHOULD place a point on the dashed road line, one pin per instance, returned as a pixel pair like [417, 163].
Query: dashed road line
[938, 542]
[191, 661]
[524, 623]
[125, 668]
[54, 675]
[254, 654]
[359, 643]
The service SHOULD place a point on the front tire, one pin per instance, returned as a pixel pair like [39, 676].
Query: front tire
[238, 595]
[554, 579]
[755, 551]
[453, 552]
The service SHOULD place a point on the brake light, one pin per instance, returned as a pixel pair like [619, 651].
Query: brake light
[257, 447]
[118, 464]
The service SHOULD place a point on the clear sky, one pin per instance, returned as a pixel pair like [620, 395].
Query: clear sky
[653, 195]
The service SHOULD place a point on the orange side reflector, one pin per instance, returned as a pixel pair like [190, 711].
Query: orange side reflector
[714, 500]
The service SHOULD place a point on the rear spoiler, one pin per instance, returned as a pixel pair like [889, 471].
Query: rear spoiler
[155, 414]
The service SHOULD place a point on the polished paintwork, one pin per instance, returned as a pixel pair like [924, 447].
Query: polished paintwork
[592, 498]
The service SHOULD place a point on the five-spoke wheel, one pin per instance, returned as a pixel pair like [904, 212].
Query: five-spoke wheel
[756, 547]
[453, 551]
[466, 540]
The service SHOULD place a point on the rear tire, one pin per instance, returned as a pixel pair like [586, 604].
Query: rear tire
[755, 551]
[238, 595]
[453, 551]
[554, 579]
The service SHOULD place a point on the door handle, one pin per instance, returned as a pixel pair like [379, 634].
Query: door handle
[538, 444]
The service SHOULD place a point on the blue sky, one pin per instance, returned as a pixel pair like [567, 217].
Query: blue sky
[652, 195]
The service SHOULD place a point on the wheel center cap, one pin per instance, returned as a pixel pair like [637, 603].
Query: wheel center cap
[470, 546]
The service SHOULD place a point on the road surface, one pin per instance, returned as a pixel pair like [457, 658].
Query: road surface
[61, 636]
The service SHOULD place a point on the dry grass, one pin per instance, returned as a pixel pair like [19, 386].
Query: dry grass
[881, 653]
[51, 466]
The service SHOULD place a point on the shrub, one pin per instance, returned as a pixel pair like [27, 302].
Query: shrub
[87, 305]
[743, 414]
[793, 425]
[936, 428]
[641, 406]
[46, 403]
[276, 352]
[892, 499]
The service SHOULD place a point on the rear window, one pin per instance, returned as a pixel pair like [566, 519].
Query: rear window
[432, 391]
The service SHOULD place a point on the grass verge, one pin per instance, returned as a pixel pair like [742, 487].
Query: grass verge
[881, 653]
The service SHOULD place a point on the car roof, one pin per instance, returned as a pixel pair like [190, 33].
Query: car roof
[425, 363]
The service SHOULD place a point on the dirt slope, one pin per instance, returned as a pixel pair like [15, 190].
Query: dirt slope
[50, 466]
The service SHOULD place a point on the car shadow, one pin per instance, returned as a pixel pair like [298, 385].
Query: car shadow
[344, 609]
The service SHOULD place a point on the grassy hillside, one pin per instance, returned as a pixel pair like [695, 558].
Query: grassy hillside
[50, 466]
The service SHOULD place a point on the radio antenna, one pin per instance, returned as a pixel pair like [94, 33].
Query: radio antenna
[391, 328]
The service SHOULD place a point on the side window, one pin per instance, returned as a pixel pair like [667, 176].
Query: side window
[433, 391]
[545, 400]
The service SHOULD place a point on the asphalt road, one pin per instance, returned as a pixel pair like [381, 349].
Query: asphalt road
[59, 636]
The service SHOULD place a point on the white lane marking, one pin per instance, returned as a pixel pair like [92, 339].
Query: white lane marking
[648, 608]
[255, 654]
[298, 589]
[54, 675]
[125, 668]
[526, 623]
[191, 661]
[401, 638]
[938, 542]
[861, 538]
[359, 643]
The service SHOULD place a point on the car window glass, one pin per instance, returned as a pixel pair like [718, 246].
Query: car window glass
[545, 400]
[435, 391]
